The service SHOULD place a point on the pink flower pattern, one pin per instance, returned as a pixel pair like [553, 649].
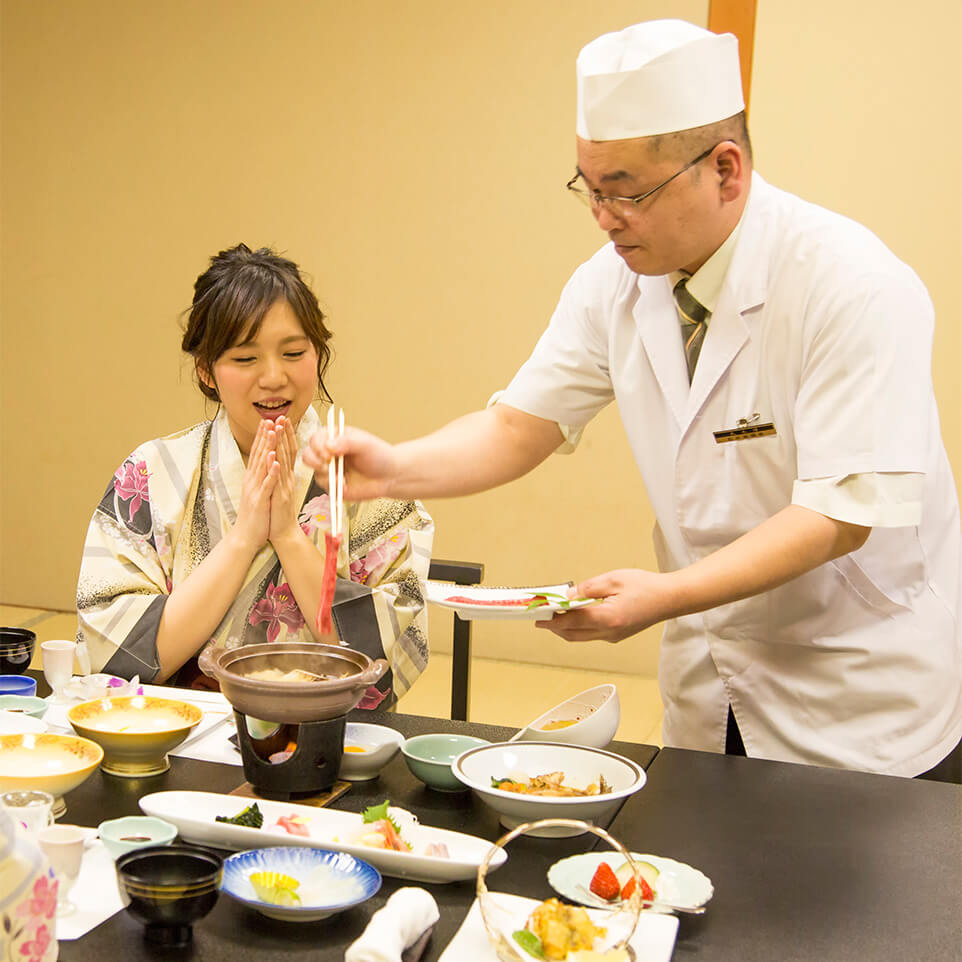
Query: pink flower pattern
[373, 565]
[36, 948]
[315, 515]
[130, 481]
[277, 607]
[42, 901]
[372, 698]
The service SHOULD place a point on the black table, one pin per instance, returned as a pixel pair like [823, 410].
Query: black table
[808, 863]
[234, 932]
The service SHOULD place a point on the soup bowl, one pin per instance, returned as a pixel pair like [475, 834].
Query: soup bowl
[135, 731]
[49, 763]
[16, 650]
[168, 888]
[429, 758]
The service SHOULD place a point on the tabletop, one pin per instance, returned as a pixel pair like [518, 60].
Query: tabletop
[807, 863]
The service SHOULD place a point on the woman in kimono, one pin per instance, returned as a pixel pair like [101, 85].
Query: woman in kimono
[216, 534]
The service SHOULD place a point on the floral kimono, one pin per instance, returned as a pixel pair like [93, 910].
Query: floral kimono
[172, 501]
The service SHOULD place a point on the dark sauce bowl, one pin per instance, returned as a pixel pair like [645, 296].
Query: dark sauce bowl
[168, 888]
[16, 650]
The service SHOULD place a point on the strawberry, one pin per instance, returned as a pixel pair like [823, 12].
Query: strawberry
[647, 894]
[604, 883]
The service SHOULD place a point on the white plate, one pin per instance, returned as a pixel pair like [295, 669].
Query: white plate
[677, 883]
[194, 812]
[653, 941]
[480, 605]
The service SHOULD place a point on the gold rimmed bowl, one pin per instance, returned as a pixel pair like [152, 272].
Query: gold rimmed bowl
[48, 763]
[135, 731]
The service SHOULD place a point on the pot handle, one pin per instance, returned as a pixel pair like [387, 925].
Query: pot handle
[205, 661]
[374, 672]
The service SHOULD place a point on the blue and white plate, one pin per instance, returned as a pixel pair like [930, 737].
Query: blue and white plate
[330, 882]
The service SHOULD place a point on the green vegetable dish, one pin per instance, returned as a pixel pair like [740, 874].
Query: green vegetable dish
[250, 817]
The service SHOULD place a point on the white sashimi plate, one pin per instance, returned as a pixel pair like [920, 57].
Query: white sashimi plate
[677, 883]
[194, 815]
[483, 602]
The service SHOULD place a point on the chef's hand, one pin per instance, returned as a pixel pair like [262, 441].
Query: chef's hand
[370, 464]
[633, 600]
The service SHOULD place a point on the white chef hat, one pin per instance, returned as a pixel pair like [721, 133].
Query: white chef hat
[656, 78]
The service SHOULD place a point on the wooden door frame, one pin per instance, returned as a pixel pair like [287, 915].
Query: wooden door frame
[737, 17]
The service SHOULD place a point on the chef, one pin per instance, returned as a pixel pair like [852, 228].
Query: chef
[771, 365]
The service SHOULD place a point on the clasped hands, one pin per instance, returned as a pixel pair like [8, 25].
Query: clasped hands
[267, 511]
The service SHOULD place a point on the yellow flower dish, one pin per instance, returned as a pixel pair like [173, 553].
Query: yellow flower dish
[276, 888]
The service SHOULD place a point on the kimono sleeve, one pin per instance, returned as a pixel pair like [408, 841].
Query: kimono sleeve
[123, 584]
[381, 609]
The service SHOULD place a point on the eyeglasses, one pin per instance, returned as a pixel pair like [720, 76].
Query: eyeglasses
[625, 205]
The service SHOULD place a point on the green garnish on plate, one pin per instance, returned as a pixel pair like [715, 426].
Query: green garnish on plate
[250, 817]
[529, 942]
[374, 813]
[552, 598]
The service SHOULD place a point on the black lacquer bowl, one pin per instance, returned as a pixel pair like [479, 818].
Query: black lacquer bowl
[16, 650]
[168, 888]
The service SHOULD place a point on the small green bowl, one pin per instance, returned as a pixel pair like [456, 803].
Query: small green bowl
[28, 704]
[122, 835]
[429, 758]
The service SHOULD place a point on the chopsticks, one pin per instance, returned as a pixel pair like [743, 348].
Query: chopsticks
[335, 473]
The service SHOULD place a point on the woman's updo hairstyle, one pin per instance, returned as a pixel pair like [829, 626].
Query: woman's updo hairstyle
[230, 300]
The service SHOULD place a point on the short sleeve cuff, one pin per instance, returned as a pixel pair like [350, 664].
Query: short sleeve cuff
[572, 435]
[890, 500]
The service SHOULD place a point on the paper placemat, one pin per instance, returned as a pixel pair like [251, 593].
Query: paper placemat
[95, 893]
[653, 941]
[208, 742]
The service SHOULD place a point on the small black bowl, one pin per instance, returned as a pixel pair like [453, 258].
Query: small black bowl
[169, 887]
[16, 650]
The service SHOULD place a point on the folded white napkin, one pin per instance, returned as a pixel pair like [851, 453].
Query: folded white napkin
[399, 923]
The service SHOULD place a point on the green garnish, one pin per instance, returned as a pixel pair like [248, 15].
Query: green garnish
[251, 817]
[552, 598]
[529, 942]
[374, 813]
[497, 782]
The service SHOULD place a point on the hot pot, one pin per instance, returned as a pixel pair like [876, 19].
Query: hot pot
[348, 674]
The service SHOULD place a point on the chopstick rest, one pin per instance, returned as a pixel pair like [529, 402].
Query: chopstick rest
[401, 922]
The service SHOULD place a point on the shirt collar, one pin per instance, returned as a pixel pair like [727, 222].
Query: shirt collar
[706, 283]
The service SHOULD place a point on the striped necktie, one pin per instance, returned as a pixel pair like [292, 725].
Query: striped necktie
[694, 318]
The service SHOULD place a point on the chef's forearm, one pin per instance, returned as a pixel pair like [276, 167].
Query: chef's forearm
[784, 547]
[474, 453]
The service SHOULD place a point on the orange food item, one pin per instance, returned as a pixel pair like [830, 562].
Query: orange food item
[354, 748]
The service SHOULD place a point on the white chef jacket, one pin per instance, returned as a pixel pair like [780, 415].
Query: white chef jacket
[825, 333]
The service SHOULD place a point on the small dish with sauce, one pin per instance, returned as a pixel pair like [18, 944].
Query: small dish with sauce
[122, 835]
[589, 718]
[367, 749]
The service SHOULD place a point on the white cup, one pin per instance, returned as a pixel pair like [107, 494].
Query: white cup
[33, 810]
[57, 659]
[64, 847]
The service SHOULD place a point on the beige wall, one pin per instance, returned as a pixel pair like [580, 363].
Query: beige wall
[411, 158]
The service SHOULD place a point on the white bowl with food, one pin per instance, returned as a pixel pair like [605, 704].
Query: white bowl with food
[589, 718]
[544, 780]
[367, 749]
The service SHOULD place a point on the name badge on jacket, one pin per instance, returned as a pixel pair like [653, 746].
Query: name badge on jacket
[745, 429]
